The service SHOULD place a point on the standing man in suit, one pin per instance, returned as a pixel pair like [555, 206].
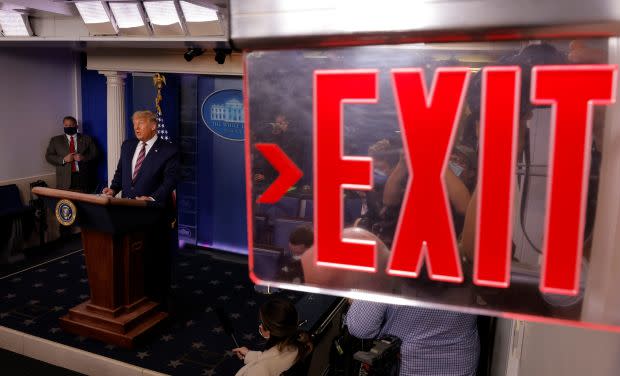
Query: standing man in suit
[73, 154]
[148, 170]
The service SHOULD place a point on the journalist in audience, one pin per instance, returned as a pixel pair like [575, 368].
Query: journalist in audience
[286, 344]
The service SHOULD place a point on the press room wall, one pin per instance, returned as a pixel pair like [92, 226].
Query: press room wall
[38, 90]
[560, 350]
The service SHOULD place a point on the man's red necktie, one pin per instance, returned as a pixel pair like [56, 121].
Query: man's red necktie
[72, 150]
[139, 161]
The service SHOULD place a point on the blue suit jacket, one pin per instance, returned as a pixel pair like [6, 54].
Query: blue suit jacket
[157, 177]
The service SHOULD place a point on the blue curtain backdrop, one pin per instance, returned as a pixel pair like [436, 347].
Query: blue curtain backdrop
[220, 179]
[95, 116]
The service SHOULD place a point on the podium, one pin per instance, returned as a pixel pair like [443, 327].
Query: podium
[114, 234]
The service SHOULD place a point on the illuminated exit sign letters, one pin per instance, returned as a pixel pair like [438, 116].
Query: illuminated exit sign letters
[428, 118]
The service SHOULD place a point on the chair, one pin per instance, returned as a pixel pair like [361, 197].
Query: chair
[266, 262]
[261, 209]
[286, 207]
[289, 205]
[262, 230]
[307, 209]
[16, 222]
[10, 201]
[352, 209]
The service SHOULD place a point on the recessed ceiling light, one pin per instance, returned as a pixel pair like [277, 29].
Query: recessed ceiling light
[196, 13]
[92, 12]
[161, 12]
[14, 24]
[127, 15]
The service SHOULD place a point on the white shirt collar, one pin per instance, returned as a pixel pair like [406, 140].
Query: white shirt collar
[150, 142]
[69, 136]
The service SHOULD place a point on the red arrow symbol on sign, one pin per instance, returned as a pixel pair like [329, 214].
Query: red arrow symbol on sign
[288, 170]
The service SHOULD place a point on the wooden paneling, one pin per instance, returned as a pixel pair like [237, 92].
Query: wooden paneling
[85, 197]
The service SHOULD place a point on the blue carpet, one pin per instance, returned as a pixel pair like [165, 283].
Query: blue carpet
[193, 342]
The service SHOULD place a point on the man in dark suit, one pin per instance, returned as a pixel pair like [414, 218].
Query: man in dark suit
[74, 155]
[148, 170]
[148, 167]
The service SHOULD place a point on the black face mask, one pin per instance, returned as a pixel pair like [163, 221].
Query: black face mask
[70, 130]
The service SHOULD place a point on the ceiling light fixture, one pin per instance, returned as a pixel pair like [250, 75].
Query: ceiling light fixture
[97, 17]
[197, 13]
[164, 17]
[161, 12]
[14, 24]
[127, 15]
[201, 20]
[92, 12]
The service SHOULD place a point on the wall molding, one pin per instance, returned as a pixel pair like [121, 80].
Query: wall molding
[162, 61]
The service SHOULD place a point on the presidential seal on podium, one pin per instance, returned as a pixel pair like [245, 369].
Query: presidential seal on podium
[66, 212]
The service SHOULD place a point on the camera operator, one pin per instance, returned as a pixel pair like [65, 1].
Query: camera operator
[434, 342]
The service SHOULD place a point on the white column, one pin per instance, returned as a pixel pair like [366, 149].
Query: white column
[116, 117]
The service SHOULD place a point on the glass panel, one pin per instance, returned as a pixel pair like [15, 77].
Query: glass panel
[285, 109]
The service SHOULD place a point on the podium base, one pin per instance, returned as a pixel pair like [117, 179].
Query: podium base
[122, 330]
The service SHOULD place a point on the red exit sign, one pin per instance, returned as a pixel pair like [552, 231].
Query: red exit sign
[428, 120]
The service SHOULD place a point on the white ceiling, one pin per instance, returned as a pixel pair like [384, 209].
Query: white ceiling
[41, 8]
[60, 22]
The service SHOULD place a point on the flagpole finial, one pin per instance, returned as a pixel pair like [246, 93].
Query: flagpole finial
[159, 80]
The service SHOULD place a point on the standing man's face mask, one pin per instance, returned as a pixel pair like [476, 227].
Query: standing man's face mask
[70, 130]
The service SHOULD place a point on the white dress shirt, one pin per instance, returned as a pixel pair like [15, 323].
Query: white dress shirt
[77, 165]
[149, 145]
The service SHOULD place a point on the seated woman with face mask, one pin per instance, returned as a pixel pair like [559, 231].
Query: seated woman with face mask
[286, 344]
